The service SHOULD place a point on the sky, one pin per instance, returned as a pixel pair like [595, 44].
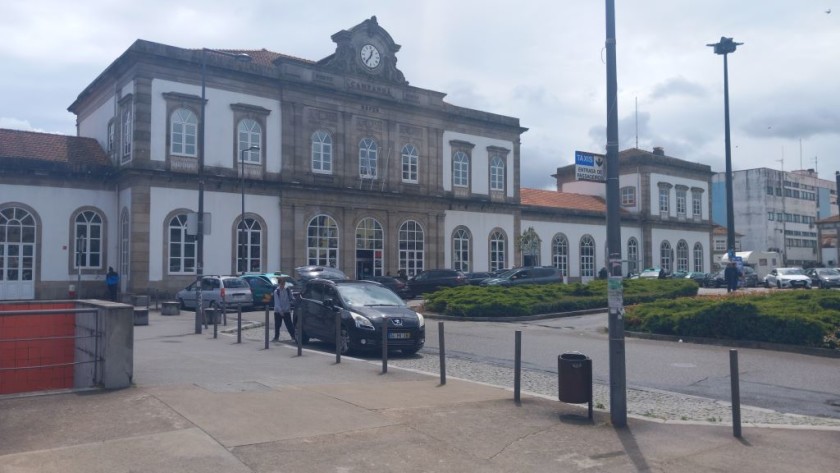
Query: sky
[543, 62]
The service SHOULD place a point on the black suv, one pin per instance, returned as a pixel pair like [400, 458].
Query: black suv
[434, 279]
[364, 306]
[526, 275]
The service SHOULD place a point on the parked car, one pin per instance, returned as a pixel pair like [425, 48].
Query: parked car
[364, 306]
[824, 278]
[787, 278]
[696, 276]
[649, 273]
[262, 290]
[433, 279]
[526, 275]
[718, 279]
[476, 278]
[217, 292]
[394, 284]
[306, 273]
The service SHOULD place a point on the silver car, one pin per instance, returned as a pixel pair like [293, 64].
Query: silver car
[217, 292]
[787, 278]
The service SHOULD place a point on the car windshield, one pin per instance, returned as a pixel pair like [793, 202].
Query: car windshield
[828, 272]
[790, 271]
[507, 274]
[235, 283]
[362, 295]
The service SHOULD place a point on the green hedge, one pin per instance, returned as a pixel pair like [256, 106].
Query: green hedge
[810, 318]
[497, 301]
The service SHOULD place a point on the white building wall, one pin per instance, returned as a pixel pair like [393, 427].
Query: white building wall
[219, 246]
[54, 207]
[219, 129]
[673, 237]
[479, 164]
[95, 124]
[655, 179]
[480, 225]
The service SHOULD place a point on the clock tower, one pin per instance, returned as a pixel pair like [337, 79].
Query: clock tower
[366, 50]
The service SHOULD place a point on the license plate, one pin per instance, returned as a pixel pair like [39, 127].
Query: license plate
[398, 335]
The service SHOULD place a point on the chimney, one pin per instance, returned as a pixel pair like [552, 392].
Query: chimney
[659, 151]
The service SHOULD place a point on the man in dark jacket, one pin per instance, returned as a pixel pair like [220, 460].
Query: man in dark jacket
[730, 275]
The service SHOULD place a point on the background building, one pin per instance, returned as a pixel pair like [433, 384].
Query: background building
[777, 211]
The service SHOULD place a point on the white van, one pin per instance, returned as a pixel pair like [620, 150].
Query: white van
[761, 261]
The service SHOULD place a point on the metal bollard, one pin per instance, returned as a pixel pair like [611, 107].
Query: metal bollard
[517, 365]
[338, 337]
[266, 327]
[736, 393]
[224, 314]
[385, 344]
[299, 333]
[239, 325]
[215, 325]
[442, 350]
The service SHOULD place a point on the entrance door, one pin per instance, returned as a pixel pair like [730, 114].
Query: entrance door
[364, 264]
[17, 254]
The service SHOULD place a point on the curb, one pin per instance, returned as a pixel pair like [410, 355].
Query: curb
[526, 318]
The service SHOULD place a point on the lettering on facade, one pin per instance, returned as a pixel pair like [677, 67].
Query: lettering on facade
[318, 116]
[366, 87]
[368, 125]
[411, 130]
[323, 78]
[370, 108]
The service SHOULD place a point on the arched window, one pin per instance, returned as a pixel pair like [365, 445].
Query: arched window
[183, 133]
[249, 246]
[497, 174]
[665, 256]
[560, 253]
[411, 248]
[367, 158]
[181, 246]
[369, 248]
[17, 245]
[587, 257]
[322, 241]
[682, 256]
[321, 152]
[461, 242]
[632, 256]
[460, 170]
[698, 257]
[249, 134]
[409, 163]
[87, 245]
[498, 250]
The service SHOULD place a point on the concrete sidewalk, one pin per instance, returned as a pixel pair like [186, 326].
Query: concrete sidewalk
[204, 404]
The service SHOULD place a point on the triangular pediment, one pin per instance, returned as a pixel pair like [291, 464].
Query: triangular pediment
[366, 50]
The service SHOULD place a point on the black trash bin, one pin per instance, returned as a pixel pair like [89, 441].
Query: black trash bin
[574, 379]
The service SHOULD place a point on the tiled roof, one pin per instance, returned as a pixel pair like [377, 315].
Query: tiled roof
[562, 200]
[718, 230]
[59, 149]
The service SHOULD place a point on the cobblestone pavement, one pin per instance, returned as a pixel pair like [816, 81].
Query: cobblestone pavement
[644, 403]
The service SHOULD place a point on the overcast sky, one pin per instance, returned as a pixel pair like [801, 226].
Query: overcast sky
[540, 61]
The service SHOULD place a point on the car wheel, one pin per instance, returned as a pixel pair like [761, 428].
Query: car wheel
[779, 284]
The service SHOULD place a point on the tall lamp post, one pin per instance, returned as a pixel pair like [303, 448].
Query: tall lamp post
[199, 257]
[724, 47]
[243, 261]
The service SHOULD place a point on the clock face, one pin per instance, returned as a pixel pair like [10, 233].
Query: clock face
[370, 56]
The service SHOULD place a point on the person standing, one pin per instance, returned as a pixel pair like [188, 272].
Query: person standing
[282, 310]
[730, 275]
[112, 280]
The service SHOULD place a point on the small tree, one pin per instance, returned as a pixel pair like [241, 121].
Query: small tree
[529, 244]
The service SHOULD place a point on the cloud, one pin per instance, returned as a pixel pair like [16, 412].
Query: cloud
[677, 86]
[17, 124]
[799, 124]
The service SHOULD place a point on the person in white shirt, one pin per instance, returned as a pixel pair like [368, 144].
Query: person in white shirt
[283, 310]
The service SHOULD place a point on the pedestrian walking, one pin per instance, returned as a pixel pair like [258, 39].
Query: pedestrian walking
[112, 281]
[283, 305]
[731, 275]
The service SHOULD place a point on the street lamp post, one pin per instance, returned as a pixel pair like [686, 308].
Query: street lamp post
[199, 257]
[724, 47]
[242, 246]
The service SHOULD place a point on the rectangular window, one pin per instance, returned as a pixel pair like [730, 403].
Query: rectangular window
[681, 204]
[720, 245]
[771, 216]
[664, 198]
[628, 196]
[696, 205]
[126, 134]
[769, 190]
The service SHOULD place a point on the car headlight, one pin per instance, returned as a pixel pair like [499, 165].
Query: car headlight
[421, 322]
[361, 321]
